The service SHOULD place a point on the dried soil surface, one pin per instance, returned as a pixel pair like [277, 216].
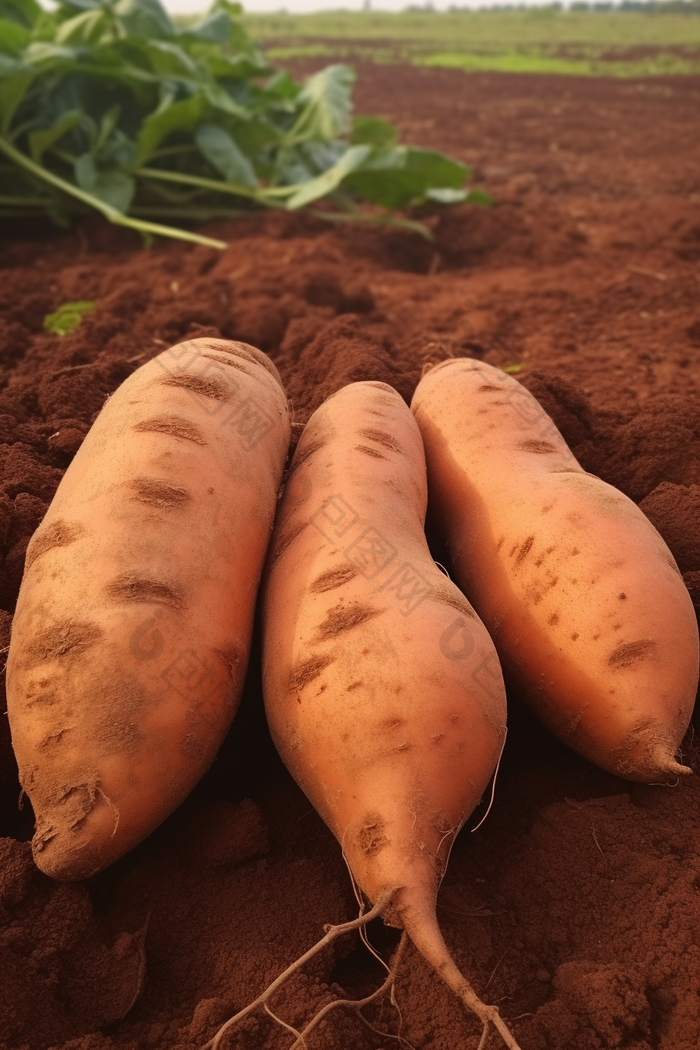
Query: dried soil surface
[576, 905]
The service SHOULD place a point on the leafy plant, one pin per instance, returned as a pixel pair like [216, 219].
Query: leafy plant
[67, 318]
[107, 104]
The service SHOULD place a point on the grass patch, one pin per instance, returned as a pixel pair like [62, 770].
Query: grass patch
[524, 62]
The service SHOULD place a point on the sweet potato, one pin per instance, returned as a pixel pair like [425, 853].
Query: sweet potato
[133, 624]
[584, 601]
[382, 689]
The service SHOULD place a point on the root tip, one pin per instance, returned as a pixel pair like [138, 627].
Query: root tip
[65, 862]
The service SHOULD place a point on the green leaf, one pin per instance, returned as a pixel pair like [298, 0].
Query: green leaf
[446, 195]
[218, 97]
[13, 37]
[45, 53]
[282, 85]
[402, 176]
[106, 105]
[230, 6]
[480, 197]
[326, 104]
[372, 131]
[85, 29]
[112, 186]
[177, 116]
[143, 18]
[222, 151]
[330, 180]
[217, 63]
[14, 84]
[23, 12]
[214, 27]
[144, 227]
[81, 5]
[388, 188]
[258, 139]
[67, 318]
[321, 156]
[10, 67]
[239, 40]
[166, 59]
[291, 168]
[40, 141]
[436, 168]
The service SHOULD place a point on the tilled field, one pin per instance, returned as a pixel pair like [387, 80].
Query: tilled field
[576, 905]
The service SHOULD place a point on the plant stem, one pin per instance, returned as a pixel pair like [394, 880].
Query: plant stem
[10, 201]
[375, 220]
[110, 213]
[173, 151]
[198, 180]
[201, 214]
[219, 186]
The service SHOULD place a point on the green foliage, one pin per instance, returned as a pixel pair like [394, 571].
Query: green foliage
[67, 318]
[109, 104]
[398, 173]
[594, 64]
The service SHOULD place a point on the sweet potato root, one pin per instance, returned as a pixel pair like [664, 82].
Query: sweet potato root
[132, 631]
[590, 616]
[382, 688]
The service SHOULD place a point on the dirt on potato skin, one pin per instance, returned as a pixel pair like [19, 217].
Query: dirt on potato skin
[576, 905]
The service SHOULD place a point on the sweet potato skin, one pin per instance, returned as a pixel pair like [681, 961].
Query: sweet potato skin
[590, 616]
[132, 630]
[390, 714]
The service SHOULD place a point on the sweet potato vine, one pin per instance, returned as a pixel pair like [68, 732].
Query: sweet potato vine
[108, 105]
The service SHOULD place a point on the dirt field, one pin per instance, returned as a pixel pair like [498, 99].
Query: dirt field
[576, 905]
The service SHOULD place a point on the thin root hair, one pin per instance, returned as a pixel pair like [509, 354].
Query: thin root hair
[493, 972]
[493, 782]
[299, 1040]
[112, 807]
[392, 998]
[357, 1004]
[484, 1037]
[332, 933]
[451, 834]
[359, 897]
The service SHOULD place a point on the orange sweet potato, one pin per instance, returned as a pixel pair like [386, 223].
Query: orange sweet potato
[383, 692]
[133, 624]
[584, 601]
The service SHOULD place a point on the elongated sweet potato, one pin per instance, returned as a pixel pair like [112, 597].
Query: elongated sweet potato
[582, 597]
[382, 688]
[133, 624]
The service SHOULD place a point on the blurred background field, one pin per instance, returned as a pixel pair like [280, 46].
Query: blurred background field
[629, 41]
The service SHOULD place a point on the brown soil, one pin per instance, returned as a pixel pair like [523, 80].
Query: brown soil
[576, 906]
